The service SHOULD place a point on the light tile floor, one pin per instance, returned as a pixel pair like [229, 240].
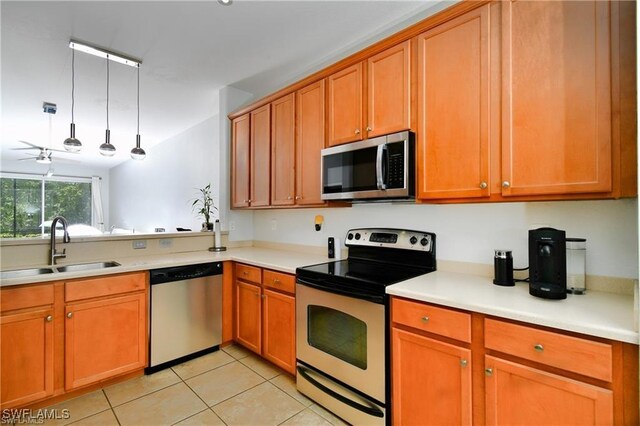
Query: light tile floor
[229, 387]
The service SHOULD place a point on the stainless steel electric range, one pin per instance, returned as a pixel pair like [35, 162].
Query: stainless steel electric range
[342, 320]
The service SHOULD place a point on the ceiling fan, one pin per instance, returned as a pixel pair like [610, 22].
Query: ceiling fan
[44, 156]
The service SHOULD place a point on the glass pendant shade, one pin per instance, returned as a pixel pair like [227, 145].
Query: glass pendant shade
[106, 148]
[138, 153]
[72, 144]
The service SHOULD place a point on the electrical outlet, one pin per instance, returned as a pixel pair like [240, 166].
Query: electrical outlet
[139, 244]
[165, 242]
[274, 224]
[232, 225]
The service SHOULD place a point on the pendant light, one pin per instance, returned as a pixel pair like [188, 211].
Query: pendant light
[106, 148]
[138, 153]
[72, 144]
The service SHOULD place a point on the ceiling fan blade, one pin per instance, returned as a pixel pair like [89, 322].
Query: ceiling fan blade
[22, 149]
[27, 159]
[31, 144]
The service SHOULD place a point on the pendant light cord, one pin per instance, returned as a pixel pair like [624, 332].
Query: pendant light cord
[138, 127]
[107, 92]
[73, 82]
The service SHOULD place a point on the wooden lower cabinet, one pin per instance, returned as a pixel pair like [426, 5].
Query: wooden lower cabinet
[517, 394]
[265, 314]
[248, 315]
[104, 338]
[507, 373]
[26, 348]
[431, 381]
[279, 330]
[59, 337]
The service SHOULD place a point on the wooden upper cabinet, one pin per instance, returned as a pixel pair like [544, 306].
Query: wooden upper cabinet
[283, 118]
[260, 175]
[310, 139]
[240, 157]
[453, 108]
[556, 113]
[345, 106]
[389, 91]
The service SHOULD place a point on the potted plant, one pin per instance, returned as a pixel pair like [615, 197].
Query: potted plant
[203, 205]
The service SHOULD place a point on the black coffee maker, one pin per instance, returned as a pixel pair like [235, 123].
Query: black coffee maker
[547, 263]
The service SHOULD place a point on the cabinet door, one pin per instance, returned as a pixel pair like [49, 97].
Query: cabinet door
[279, 330]
[248, 315]
[26, 350]
[389, 91]
[260, 156]
[516, 394]
[240, 171]
[309, 143]
[453, 111]
[431, 381]
[345, 105]
[104, 338]
[283, 118]
[556, 135]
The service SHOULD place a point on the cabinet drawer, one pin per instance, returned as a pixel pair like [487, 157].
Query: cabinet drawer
[248, 273]
[279, 281]
[442, 321]
[103, 286]
[593, 359]
[26, 297]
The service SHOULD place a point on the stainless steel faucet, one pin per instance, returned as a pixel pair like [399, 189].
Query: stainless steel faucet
[65, 239]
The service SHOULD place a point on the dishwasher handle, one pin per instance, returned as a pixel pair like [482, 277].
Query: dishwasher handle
[180, 273]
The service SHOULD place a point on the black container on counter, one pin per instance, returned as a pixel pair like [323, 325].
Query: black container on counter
[503, 268]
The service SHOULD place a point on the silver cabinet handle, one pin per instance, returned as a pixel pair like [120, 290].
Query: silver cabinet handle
[276, 281]
[49, 318]
[70, 314]
[357, 132]
[264, 296]
[298, 197]
[464, 362]
[539, 347]
[289, 197]
[488, 371]
[369, 128]
[425, 319]
[506, 184]
[483, 185]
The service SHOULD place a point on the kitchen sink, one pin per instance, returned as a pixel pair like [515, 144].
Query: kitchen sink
[86, 266]
[21, 273]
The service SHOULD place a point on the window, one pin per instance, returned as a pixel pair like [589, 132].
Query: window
[29, 203]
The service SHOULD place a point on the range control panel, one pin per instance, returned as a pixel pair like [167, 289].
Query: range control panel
[391, 238]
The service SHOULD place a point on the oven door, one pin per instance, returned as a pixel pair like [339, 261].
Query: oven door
[343, 337]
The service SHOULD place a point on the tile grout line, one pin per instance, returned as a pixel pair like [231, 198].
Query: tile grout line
[111, 406]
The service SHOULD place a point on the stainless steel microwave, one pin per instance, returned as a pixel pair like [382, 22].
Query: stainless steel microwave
[377, 168]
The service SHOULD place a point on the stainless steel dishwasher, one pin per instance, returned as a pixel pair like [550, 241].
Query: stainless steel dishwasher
[186, 313]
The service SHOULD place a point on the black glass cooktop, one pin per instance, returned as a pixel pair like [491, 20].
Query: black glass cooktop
[357, 277]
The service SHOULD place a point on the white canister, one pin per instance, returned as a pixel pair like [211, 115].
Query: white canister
[576, 265]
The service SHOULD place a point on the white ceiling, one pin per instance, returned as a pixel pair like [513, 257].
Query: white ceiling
[189, 50]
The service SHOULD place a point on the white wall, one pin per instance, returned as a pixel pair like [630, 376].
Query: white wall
[158, 191]
[471, 232]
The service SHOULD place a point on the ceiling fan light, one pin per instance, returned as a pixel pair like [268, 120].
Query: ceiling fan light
[72, 144]
[106, 148]
[43, 159]
[138, 153]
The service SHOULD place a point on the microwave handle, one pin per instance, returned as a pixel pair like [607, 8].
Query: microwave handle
[379, 169]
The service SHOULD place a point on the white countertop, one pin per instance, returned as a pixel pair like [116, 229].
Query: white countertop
[599, 314]
[279, 260]
[606, 315]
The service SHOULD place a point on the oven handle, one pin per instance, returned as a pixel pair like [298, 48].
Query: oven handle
[329, 289]
[372, 411]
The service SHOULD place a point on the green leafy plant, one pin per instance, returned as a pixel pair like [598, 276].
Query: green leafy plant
[203, 204]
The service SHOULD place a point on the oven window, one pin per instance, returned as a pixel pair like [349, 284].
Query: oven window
[338, 334]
